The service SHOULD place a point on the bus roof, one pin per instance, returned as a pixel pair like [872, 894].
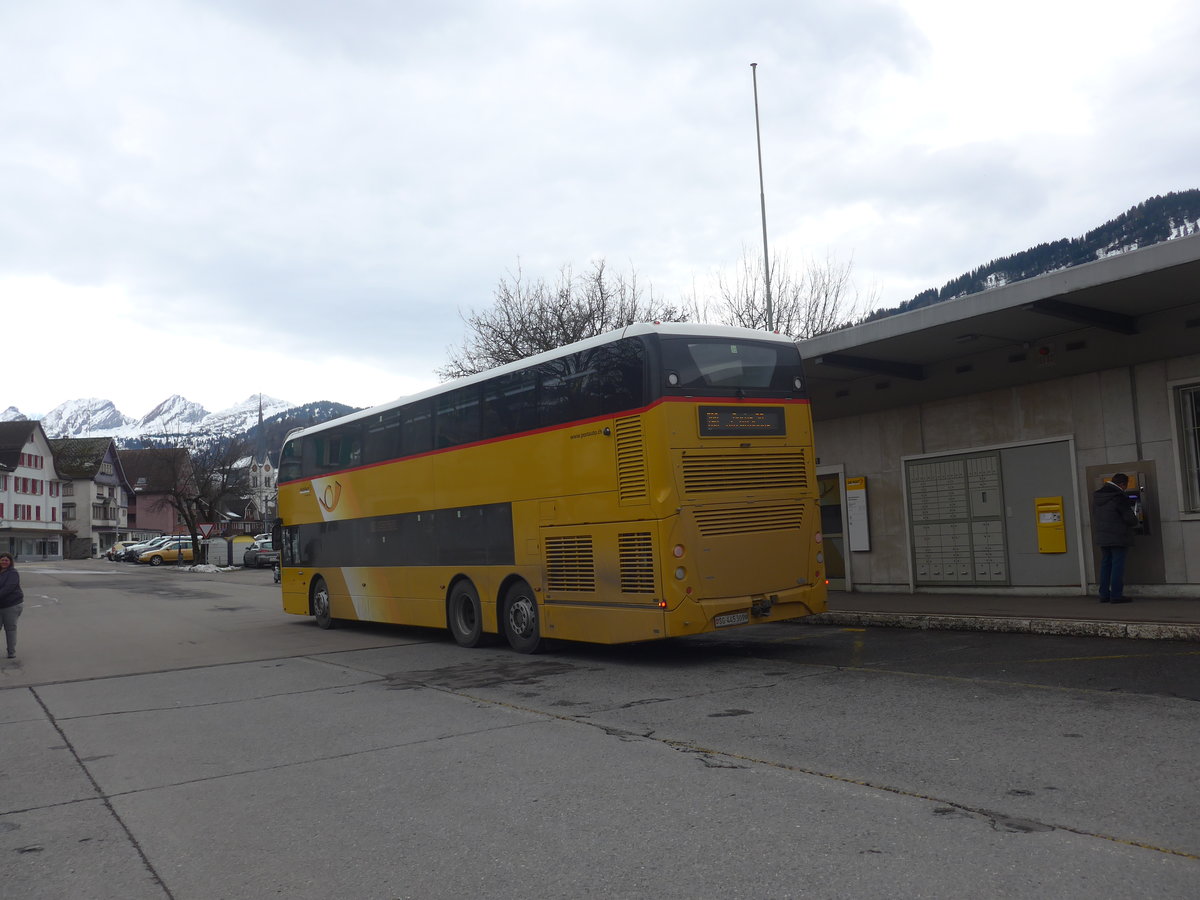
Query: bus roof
[683, 329]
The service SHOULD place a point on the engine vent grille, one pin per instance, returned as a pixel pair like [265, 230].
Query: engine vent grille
[713, 522]
[570, 563]
[706, 473]
[631, 460]
[636, 552]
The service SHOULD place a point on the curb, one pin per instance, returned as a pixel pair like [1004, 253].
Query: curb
[1161, 631]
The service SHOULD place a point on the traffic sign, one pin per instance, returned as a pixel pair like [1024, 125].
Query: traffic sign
[205, 528]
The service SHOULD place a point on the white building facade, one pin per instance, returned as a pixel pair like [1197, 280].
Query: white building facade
[31, 524]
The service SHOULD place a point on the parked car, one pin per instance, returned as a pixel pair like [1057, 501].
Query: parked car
[117, 550]
[168, 553]
[132, 553]
[260, 554]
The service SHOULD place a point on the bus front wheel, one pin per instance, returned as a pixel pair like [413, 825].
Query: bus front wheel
[521, 625]
[464, 615]
[320, 604]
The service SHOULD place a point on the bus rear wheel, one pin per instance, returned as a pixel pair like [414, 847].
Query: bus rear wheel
[464, 615]
[521, 622]
[320, 604]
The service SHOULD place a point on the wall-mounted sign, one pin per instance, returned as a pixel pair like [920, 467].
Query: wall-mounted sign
[857, 526]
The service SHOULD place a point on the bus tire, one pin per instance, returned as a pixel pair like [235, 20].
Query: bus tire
[464, 614]
[321, 609]
[521, 622]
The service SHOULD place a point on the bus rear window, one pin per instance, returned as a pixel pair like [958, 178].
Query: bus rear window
[714, 364]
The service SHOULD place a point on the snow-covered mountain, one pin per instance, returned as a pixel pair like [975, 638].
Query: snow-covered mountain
[243, 416]
[175, 416]
[84, 418]
[12, 414]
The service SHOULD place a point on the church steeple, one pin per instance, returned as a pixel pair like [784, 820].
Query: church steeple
[260, 445]
[264, 483]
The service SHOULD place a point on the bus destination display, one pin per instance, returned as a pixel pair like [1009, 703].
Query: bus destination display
[721, 421]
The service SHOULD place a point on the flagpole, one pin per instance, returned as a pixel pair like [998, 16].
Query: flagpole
[762, 198]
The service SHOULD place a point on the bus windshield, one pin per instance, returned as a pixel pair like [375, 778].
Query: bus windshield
[707, 363]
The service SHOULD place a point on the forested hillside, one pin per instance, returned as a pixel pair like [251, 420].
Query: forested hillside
[1150, 222]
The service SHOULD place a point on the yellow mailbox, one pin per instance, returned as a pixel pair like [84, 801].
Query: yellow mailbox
[1051, 525]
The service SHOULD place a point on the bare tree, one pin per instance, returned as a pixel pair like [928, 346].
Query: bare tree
[805, 303]
[169, 469]
[222, 474]
[200, 483]
[529, 317]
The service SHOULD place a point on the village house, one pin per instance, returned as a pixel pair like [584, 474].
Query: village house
[31, 525]
[95, 507]
[157, 476]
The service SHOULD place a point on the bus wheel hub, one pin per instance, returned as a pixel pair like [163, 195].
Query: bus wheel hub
[521, 616]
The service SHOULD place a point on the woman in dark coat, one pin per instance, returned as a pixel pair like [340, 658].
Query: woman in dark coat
[11, 598]
[1114, 530]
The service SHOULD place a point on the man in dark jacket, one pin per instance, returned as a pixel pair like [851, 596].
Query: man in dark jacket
[1114, 530]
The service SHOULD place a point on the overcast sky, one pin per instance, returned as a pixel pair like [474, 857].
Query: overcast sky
[303, 198]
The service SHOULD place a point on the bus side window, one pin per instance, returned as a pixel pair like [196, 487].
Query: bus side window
[510, 404]
[290, 461]
[311, 456]
[416, 428]
[622, 376]
[383, 437]
[457, 419]
[554, 392]
[592, 383]
[353, 447]
[341, 448]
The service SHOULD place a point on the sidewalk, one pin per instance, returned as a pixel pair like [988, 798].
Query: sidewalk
[1146, 617]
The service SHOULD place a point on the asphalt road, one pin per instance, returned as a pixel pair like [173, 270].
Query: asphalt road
[167, 734]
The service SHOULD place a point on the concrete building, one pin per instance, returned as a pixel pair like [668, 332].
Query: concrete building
[959, 444]
[31, 524]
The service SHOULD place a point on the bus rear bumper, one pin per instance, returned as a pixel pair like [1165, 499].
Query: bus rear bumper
[721, 613]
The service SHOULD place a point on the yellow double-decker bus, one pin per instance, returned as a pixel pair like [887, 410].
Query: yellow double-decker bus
[652, 482]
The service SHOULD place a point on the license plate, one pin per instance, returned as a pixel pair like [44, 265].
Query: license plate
[727, 619]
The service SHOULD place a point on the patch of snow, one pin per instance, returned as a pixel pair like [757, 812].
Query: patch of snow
[1183, 229]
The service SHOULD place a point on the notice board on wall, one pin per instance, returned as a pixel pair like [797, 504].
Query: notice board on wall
[857, 527]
